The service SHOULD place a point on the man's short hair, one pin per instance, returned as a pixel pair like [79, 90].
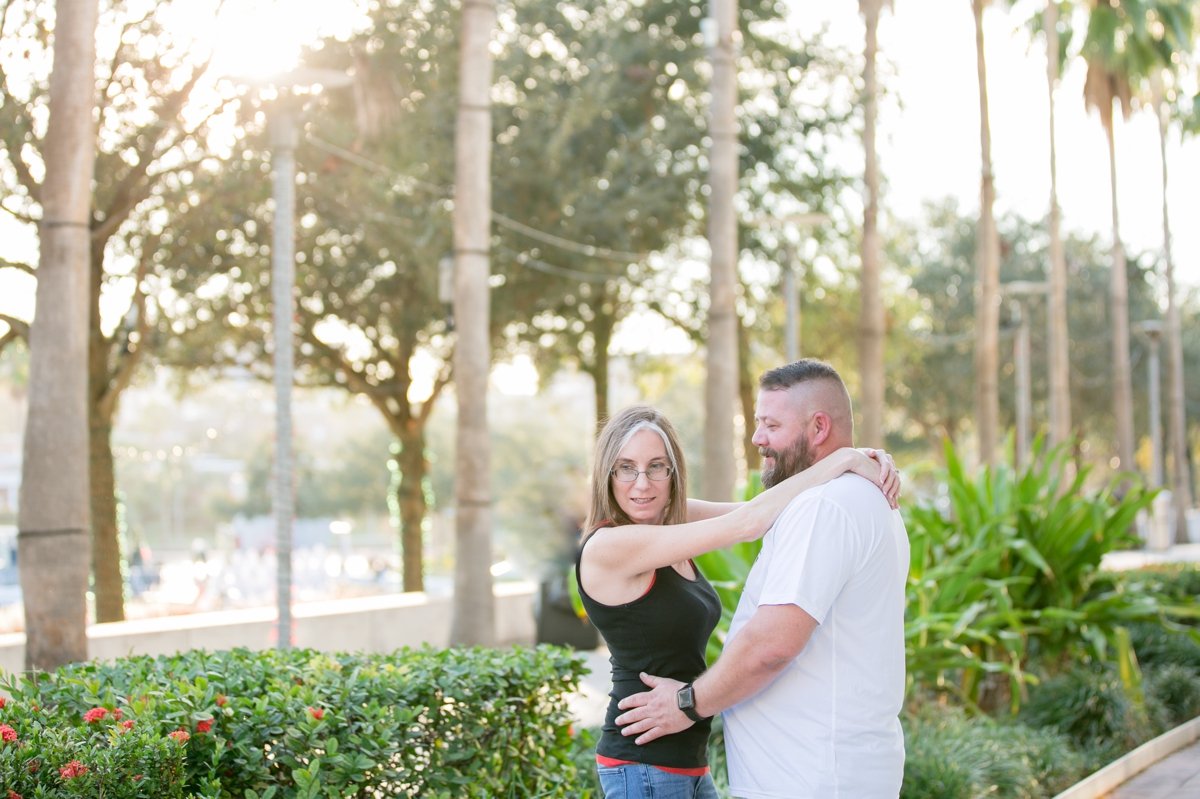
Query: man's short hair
[802, 371]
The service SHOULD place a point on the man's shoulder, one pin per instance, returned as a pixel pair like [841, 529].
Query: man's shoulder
[849, 491]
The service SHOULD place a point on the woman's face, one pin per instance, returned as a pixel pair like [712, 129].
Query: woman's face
[644, 500]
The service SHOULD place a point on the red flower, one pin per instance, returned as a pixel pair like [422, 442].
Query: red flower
[117, 713]
[317, 713]
[221, 700]
[72, 770]
[127, 724]
[179, 736]
[7, 733]
[3, 702]
[204, 725]
[14, 795]
[139, 777]
[94, 715]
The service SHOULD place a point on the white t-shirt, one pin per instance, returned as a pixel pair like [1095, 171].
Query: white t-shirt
[828, 726]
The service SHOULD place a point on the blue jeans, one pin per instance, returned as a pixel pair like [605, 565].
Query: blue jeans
[647, 782]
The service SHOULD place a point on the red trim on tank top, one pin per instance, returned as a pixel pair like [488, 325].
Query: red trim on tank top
[653, 577]
[612, 762]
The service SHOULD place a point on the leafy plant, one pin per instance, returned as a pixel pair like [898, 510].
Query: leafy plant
[1010, 568]
[435, 723]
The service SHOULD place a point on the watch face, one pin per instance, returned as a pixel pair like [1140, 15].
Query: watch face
[686, 697]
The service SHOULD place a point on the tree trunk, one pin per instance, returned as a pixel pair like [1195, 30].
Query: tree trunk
[987, 292]
[410, 499]
[1181, 480]
[871, 318]
[474, 606]
[722, 370]
[53, 519]
[108, 580]
[1119, 302]
[1060, 366]
[747, 394]
[602, 330]
[107, 572]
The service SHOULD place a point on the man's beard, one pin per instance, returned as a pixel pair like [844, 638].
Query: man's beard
[788, 462]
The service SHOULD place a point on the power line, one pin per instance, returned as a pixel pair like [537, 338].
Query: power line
[525, 259]
[580, 248]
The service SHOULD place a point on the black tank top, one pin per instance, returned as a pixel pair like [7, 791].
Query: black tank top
[663, 632]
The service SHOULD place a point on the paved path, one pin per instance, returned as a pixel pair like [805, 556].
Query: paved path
[591, 701]
[1174, 777]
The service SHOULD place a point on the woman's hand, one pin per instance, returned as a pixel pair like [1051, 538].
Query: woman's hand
[880, 468]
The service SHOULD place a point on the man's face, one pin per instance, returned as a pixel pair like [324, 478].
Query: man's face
[781, 434]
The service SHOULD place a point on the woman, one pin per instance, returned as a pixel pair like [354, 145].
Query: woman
[646, 596]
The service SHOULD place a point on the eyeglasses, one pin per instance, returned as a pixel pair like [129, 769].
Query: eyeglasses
[625, 473]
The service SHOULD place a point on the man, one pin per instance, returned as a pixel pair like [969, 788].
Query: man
[811, 680]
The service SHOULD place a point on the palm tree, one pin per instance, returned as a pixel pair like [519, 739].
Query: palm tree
[871, 328]
[474, 607]
[1060, 386]
[1174, 36]
[1114, 61]
[1176, 408]
[53, 520]
[987, 292]
[722, 373]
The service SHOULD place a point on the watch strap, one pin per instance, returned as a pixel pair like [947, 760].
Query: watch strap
[689, 709]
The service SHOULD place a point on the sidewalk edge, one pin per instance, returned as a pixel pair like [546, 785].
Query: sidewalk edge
[1127, 766]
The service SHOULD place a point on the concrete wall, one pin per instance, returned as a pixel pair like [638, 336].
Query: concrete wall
[367, 624]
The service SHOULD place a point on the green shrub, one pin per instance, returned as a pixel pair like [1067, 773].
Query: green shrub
[950, 755]
[1164, 643]
[429, 723]
[1174, 689]
[1092, 707]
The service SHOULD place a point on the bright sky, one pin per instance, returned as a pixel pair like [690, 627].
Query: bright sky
[929, 150]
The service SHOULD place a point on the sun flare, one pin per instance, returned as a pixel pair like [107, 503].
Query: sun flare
[256, 39]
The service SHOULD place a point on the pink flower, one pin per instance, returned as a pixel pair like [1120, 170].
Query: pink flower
[204, 725]
[72, 770]
[317, 713]
[179, 736]
[7, 733]
[94, 715]
[117, 713]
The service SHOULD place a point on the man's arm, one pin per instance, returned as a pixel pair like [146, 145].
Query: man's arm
[772, 638]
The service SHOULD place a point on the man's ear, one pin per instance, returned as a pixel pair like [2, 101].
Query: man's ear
[821, 428]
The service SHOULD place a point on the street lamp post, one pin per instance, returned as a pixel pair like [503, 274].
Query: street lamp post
[283, 279]
[291, 89]
[791, 270]
[1152, 329]
[1017, 291]
[1159, 534]
[791, 300]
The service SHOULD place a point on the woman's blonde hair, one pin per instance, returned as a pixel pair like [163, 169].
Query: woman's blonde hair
[616, 433]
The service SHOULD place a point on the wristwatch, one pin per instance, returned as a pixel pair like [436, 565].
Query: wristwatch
[685, 698]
